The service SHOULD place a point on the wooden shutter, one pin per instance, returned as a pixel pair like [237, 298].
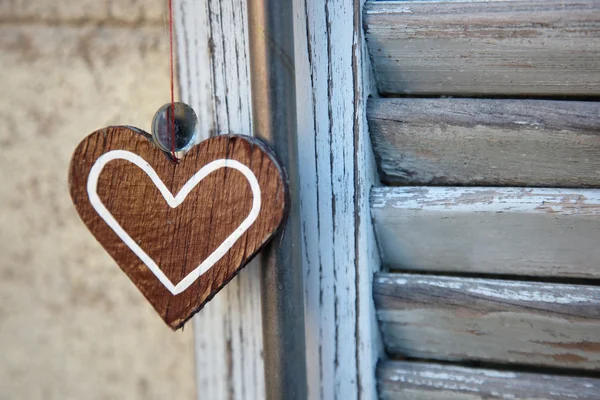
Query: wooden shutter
[487, 141]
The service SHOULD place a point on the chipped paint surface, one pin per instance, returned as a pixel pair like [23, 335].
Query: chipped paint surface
[490, 320]
[393, 7]
[516, 231]
[509, 290]
[336, 172]
[483, 142]
[490, 200]
[534, 296]
[437, 55]
[429, 381]
[214, 80]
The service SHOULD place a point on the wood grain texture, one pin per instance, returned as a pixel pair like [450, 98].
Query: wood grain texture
[514, 231]
[178, 239]
[428, 381]
[486, 142]
[212, 55]
[336, 172]
[489, 320]
[528, 48]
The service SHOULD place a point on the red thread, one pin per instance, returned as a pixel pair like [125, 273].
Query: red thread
[172, 78]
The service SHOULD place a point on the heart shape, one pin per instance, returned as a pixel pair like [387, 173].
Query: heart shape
[230, 200]
[173, 201]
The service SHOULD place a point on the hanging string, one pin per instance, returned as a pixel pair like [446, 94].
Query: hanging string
[171, 62]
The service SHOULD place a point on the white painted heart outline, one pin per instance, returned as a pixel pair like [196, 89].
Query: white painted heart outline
[173, 201]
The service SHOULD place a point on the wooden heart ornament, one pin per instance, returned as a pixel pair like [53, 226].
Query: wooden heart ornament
[179, 231]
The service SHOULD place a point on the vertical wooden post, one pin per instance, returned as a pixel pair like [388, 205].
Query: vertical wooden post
[336, 171]
[214, 80]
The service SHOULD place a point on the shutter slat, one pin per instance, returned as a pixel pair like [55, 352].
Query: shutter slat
[525, 48]
[428, 381]
[486, 142]
[511, 231]
[456, 319]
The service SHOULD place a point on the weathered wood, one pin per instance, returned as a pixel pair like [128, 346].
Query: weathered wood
[541, 232]
[213, 77]
[490, 320]
[486, 142]
[227, 199]
[424, 381]
[336, 172]
[532, 48]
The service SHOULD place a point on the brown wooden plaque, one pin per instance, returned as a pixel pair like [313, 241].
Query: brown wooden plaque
[179, 231]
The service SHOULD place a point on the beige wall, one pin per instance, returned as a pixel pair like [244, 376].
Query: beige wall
[72, 326]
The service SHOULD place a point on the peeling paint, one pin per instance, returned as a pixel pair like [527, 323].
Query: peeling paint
[490, 200]
[531, 296]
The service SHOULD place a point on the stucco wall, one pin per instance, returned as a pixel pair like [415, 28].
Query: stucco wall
[72, 326]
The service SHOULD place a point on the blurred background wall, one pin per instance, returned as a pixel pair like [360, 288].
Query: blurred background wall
[72, 326]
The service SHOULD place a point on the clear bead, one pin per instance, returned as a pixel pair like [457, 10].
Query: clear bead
[185, 124]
